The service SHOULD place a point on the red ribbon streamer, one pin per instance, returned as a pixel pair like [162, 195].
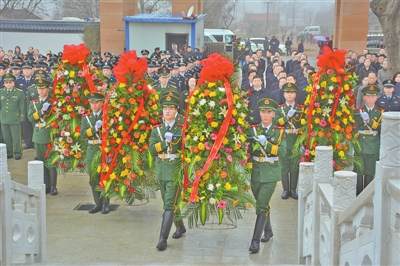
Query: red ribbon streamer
[217, 144]
[185, 124]
[88, 78]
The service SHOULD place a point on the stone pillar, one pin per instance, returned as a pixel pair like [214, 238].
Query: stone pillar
[5, 208]
[344, 189]
[351, 24]
[388, 167]
[183, 5]
[112, 28]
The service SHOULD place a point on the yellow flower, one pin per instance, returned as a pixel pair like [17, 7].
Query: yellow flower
[213, 94]
[346, 87]
[345, 121]
[341, 154]
[318, 110]
[154, 107]
[187, 160]
[136, 126]
[241, 121]
[303, 121]
[86, 92]
[225, 141]
[317, 120]
[337, 127]
[193, 100]
[113, 176]
[351, 119]
[157, 97]
[338, 113]
[323, 84]
[117, 113]
[201, 95]
[125, 173]
[76, 134]
[333, 79]
[118, 140]
[243, 138]
[201, 146]
[308, 89]
[115, 134]
[124, 160]
[122, 85]
[197, 158]
[211, 84]
[187, 137]
[201, 138]
[106, 149]
[206, 176]
[227, 186]
[141, 172]
[120, 128]
[312, 152]
[314, 111]
[249, 165]
[69, 108]
[234, 112]
[214, 124]
[72, 74]
[196, 92]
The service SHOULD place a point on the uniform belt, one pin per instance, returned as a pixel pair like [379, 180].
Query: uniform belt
[368, 132]
[292, 131]
[265, 159]
[164, 156]
[40, 125]
[94, 142]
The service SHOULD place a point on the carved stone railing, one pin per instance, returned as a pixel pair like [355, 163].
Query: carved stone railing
[23, 214]
[335, 227]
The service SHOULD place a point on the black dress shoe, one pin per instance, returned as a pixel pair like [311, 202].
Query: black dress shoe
[53, 191]
[9, 156]
[17, 157]
[96, 208]
[105, 209]
[267, 235]
[285, 194]
[293, 194]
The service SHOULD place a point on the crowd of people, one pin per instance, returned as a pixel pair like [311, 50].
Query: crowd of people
[274, 89]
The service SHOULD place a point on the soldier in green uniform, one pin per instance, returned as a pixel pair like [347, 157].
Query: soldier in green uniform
[164, 85]
[32, 92]
[266, 150]
[165, 141]
[39, 110]
[12, 113]
[368, 123]
[289, 116]
[91, 125]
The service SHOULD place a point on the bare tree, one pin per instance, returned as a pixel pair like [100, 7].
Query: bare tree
[91, 37]
[388, 12]
[32, 7]
[76, 8]
[220, 14]
[152, 6]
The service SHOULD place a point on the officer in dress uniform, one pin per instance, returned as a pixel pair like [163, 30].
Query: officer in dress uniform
[165, 141]
[164, 84]
[266, 149]
[176, 79]
[368, 123]
[39, 111]
[107, 72]
[12, 113]
[91, 125]
[389, 101]
[289, 116]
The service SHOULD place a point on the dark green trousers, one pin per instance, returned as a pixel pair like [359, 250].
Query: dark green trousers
[12, 138]
[169, 194]
[262, 192]
[369, 161]
[41, 150]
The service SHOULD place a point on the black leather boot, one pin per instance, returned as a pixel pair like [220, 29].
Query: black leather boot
[368, 179]
[180, 229]
[104, 208]
[168, 219]
[267, 230]
[98, 202]
[258, 230]
[285, 185]
[360, 184]
[53, 182]
[293, 185]
[46, 180]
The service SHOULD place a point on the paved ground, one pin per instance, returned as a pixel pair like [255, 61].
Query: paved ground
[129, 234]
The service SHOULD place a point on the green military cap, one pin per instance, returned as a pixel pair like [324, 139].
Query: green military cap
[163, 71]
[40, 74]
[371, 90]
[170, 98]
[267, 104]
[95, 96]
[42, 83]
[289, 86]
[8, 76]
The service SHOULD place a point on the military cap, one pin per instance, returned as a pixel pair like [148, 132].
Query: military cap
[98, 64]
[17, 59]
[163, 71]
[267, 103]
[290, 87]
[157, 48]
[371, 90]
[95, 96]
[182, 63]
[162, 52]
[150, 64]
[388, 83]
[144, 52]
[153, 58]
[42, 58]
[6, 61]
[40, 74]
[107, 65]
[53, 56]
[8, 76]
[42, 83]
[189, 60]
[175, 66]
[167, 52]
[170, 98]
[53, 65]
[27, 65]
[60, 54]
[14, 65]
[2, 66]
[157, 64]
[165, 61]
[107, 54]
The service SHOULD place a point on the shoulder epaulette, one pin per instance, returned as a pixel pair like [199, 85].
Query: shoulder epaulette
[359, 108]
[252, 126]
[17, 89]
[300, 105]
[279, 127]
[380, 108]
[33, 101]
[181, 125]
[86, 114]
[282, 105]
[158, 125]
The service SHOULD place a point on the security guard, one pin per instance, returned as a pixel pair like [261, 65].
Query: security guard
[368, 123]
[267, 148]
[39, 111]
[389, 101]
[91, 132]
[165, 141]
[164, 84]
[289, 116]
[12, 113]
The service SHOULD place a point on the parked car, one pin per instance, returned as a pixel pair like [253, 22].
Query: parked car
[260, 44]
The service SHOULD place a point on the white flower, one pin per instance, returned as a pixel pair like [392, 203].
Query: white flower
[343, 102]
[238, 105]
[65, 117]
[150, 87]
[66, 72]
[205, 131]
[326, 111]
[61, 157]
[71, 82]
[211, 104]
[330, 101]
[236, 138]
[120, 119]
[210, 187]
[76, 147]
[218, 185]
[223, 110]
[59, 104]
[141, 122]
[212, 201]
[243, 115]
[203, 102]
[195, 138]
[221, 89]
[331, 88]
[111, 130]
[196, 112]
[67, 134]
[317, 87]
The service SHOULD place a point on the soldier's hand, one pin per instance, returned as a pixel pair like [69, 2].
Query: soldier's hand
[46, 106]
[168, 136]
[291, 113]
[98, 124]
[364, 116]
[261, 139]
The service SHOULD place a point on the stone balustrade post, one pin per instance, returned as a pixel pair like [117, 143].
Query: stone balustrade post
[5, 202]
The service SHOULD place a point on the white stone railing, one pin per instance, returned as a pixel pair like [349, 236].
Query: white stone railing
[23, 214]
[336, 227]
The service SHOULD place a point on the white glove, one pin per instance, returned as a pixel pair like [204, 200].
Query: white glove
[46, 106]
[98, 125]
[364, 116]
[291, 112]
[168, 136]
[261, 139]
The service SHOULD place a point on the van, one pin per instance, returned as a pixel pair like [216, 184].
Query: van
[314, 30]
[209, 38]
[220, 35]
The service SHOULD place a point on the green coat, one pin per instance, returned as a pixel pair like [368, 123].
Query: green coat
[160, 89]
[12, 106]
[370, 144]
[275, 147]
[41, 133]
[158, 145]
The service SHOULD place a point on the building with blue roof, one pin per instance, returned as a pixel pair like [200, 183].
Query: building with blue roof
[145, 31]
